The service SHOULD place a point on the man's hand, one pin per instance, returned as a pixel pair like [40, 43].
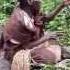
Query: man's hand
[66, 2]
[38, 20]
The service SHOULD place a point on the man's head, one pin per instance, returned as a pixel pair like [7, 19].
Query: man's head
[34, 4]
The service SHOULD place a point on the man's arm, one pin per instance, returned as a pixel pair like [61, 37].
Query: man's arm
[25, 20]
[28, 22]
[43, 39]
[36, 43]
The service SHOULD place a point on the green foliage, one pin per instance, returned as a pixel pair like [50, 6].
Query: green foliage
[60, 23]
[6, 7]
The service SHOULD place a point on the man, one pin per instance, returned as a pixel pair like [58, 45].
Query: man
[25, 26]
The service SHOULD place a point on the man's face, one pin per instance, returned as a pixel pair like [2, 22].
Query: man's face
[35, 4]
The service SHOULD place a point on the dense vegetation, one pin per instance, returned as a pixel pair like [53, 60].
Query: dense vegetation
[60, 23]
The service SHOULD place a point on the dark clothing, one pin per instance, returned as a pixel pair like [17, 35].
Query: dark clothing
[15, 30]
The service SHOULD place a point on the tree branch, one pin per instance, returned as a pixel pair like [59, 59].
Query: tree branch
[52, 15]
